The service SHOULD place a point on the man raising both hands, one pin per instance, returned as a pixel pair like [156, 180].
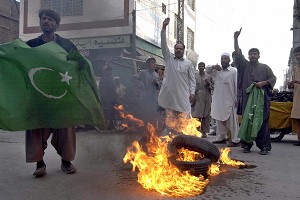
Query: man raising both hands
[178, 87]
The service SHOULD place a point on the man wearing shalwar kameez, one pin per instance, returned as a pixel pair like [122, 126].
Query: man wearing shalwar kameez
[224, 98]
[178, 88]
[295, 85]
[147, 84]
[63, 139]
[201, 107]
[262, 75]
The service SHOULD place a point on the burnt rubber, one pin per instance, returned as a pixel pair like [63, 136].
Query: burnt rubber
[195, 168]
[196, 144]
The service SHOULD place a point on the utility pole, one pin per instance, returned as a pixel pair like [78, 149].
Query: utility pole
[133, 36]
[296, 31]
[296, 24]
[180, 21]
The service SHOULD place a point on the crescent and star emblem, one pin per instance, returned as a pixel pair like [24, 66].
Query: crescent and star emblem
[65, 78]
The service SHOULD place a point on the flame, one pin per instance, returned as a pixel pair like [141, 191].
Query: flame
[129, 117]
[214, 169]
[155, 172]
[189, 156]
[224, 158]
[184, 124]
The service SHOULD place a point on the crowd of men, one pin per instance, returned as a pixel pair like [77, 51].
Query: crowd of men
[213, 92]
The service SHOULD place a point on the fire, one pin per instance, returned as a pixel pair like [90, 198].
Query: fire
[224, 158]
[185, 125]
[214, 169]
[129, 117]
[156, 172]
[190, 156]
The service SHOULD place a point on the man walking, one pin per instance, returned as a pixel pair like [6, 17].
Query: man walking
[262, 76]
[63, 139]
[223, 108]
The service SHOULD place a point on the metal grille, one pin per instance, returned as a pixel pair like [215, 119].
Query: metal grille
[64, 7]
[190, 39]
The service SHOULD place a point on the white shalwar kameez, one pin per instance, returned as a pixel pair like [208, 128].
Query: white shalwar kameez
[179, 81]
[223, 108]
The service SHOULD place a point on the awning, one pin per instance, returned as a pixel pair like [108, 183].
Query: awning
[144, 55]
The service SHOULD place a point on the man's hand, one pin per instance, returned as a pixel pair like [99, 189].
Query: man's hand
[166, 23]
[237, 34]
[217, 67]
[261, 84]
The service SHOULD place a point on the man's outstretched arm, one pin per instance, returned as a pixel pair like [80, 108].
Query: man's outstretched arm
[237, 49]
[164, 46]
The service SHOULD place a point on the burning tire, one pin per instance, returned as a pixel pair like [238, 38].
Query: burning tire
[195, 168]
[196, 144]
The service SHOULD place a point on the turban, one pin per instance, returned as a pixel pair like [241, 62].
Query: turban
[225, 54]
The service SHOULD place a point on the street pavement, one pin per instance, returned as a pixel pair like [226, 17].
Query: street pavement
[103, 176]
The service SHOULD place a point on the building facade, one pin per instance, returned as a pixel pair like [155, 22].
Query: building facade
[9, 20]
[118, 33]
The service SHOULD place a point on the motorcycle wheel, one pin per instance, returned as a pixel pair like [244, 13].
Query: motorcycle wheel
[277, 134]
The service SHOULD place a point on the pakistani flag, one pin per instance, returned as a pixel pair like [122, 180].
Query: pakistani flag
[45, 87]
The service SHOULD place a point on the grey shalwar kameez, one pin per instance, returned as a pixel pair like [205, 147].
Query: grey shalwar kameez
[148, 84]
[202, 106]
[249, 73]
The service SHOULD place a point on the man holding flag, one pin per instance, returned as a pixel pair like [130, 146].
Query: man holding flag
[47, 87]
[63, 139]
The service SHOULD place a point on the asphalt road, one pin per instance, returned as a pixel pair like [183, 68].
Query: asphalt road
[102, 175]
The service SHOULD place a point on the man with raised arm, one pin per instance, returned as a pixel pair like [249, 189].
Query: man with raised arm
[178, 88]
[261, 75]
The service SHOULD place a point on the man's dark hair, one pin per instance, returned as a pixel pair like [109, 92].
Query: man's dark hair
[150, 59]
[179, 42]
[296, 50]
[50, 13]
[253, 50]
[201, 63]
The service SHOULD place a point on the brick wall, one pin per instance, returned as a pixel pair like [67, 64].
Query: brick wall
[9, 20]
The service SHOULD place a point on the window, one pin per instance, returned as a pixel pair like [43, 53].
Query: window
[191, 4]
[175, 25]
[190, 39]
[164, 8]
[64, 7]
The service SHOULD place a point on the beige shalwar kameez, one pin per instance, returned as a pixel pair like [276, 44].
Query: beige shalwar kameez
[296, 100]
[223, 108]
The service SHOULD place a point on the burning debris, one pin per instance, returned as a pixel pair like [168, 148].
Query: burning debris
[177, 166]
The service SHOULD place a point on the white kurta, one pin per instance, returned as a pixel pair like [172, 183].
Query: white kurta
[179, 81]
[225, 92]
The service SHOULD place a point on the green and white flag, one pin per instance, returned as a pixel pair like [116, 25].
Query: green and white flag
[45, 87]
